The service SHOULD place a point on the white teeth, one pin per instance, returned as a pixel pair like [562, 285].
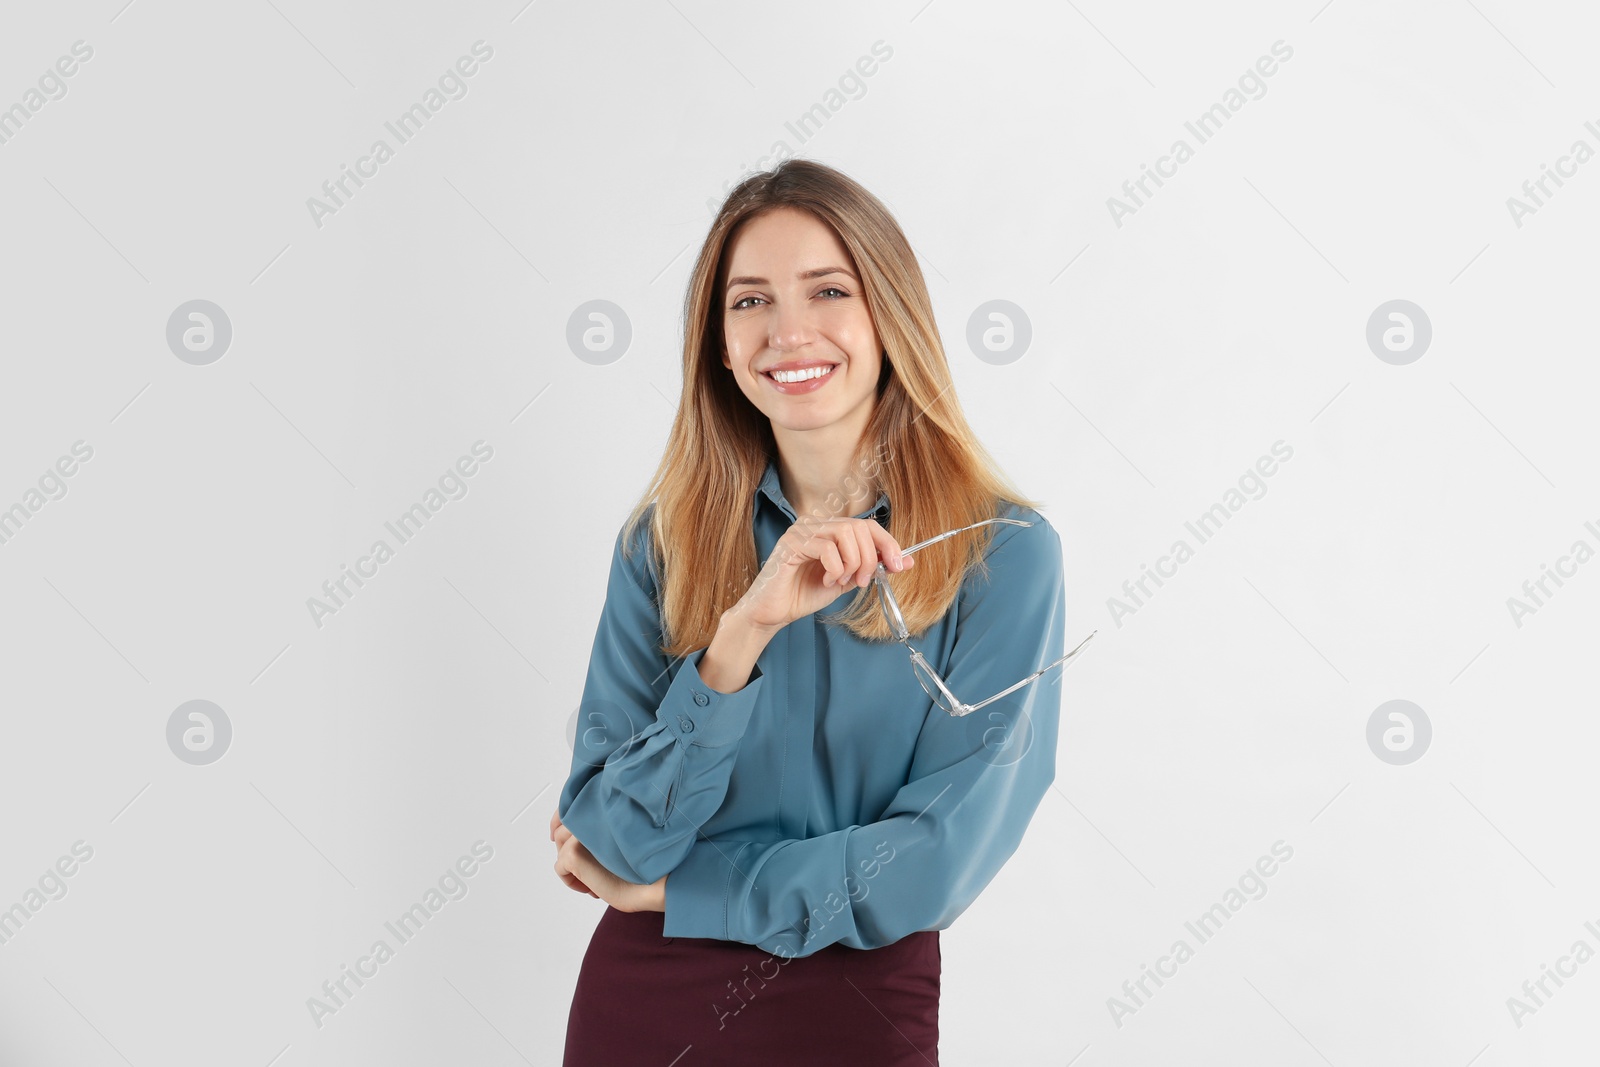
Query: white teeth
[789, 377]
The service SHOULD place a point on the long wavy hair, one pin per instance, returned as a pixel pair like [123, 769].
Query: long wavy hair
[917, 446]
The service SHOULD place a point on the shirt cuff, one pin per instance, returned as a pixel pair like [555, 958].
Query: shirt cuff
[697, 714]
[698, 891]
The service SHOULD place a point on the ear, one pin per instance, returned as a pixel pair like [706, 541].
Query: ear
[726, 362]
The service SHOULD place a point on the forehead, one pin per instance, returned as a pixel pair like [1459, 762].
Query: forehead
[780, 243]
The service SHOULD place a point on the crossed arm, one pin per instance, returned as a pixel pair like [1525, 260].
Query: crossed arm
[973, 786]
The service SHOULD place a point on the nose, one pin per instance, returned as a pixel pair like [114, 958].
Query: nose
[790, 327]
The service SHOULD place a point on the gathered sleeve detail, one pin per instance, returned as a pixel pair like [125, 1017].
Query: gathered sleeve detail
[653, 750]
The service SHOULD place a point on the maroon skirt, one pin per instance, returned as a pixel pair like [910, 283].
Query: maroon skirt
[701, 1002]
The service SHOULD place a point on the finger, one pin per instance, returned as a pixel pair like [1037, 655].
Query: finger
[582, 865]
[555, 821]
[579, 859]
[868, 550]
[827, 554]
[794, 549]
[888, 547]
[568, 862]
[849, 547]
[561, 835]
[576, 885]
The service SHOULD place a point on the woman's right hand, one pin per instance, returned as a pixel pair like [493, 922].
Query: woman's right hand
[560, 834]
[812, 565]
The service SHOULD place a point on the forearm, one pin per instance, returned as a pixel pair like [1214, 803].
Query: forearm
[652, 765]
[733, 652]
[641, 787]
[864, 886]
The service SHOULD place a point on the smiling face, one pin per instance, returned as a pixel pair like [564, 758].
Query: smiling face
[793, 305]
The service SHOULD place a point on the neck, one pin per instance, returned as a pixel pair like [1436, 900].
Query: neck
[819, 478]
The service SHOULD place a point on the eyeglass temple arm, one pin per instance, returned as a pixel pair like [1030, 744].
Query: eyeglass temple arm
[1035, 674]
[951, 533]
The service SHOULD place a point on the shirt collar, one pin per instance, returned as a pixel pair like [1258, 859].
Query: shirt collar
[774, 492]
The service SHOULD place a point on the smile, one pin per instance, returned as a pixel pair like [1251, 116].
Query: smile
[799, 381]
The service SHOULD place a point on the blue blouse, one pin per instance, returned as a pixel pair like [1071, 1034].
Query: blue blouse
[829, 800]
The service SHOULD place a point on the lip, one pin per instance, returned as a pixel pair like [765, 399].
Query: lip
[809, 385]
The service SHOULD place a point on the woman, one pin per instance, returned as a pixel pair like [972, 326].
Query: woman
[783, 808]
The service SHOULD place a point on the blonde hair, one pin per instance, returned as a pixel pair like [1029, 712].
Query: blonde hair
[917, 442]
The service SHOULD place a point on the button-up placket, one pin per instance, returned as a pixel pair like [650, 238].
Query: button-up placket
[801, 642]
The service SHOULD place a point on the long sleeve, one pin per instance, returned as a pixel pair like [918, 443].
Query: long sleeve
[651, 758]
[974, 784]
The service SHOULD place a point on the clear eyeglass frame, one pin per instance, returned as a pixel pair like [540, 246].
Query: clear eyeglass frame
[927, 677]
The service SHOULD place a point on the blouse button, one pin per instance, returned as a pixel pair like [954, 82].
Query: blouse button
[686, 723]
[701, 699]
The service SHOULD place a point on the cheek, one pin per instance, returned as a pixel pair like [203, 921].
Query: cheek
[852, 330]
[742, 343]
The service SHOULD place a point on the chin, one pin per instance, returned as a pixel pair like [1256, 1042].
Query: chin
[814, 422]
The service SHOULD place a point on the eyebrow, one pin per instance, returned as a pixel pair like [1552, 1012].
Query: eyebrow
[804, 275]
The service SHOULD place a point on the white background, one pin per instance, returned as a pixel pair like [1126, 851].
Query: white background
[1168, 354]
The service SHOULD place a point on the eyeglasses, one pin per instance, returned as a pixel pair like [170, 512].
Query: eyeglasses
[927, 677]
